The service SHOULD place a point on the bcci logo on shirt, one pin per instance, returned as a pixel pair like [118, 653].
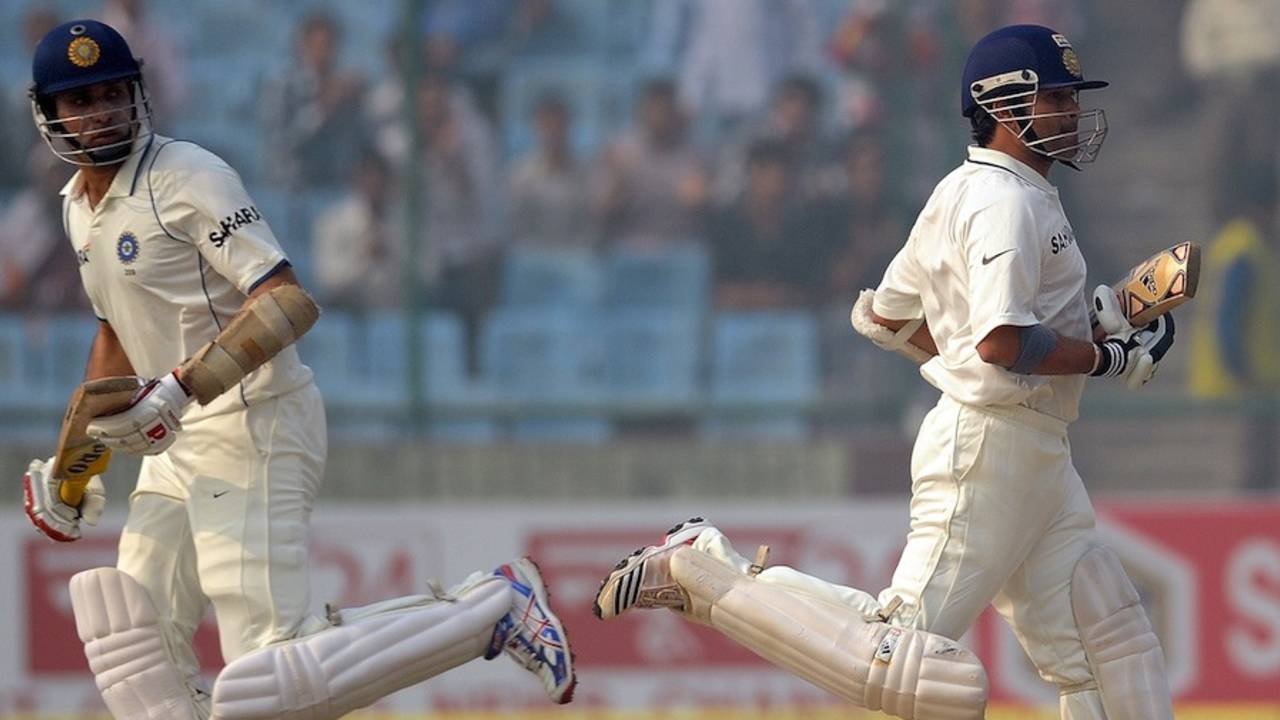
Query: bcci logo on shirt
[127, 248]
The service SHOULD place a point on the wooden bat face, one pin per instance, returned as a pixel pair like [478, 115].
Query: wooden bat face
[80, 457]
[1160, 283]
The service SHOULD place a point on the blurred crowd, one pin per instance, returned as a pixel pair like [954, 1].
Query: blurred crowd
[791, 141]
[760, 130]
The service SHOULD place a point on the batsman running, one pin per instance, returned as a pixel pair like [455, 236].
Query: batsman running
[988, 293]
[194, 365]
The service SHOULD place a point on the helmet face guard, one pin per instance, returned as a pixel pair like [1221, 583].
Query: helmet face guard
[82, 54]
[1016, 92]
[68, 146]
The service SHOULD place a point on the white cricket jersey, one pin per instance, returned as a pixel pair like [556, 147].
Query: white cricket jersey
[992, 247]
[169, 256]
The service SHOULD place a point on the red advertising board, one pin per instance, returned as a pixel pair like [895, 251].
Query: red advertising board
[1208, 572]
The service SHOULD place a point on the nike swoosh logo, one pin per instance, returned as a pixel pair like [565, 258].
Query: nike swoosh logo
[220, 494]
[986, 259]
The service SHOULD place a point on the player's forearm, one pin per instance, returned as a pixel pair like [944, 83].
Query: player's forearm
[274, 316]
[1003, 346]
[107, 357]
[1069, 357]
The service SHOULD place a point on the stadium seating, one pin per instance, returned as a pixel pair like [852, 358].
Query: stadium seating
[16, 365]
[677, 276]
[652, 357]
[545, 277]
[764, 373]
[548, 357]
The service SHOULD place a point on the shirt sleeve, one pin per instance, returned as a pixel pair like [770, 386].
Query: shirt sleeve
[1002, 250]
[898, 297]
[209, 207]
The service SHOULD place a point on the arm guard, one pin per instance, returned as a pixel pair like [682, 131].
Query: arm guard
[883, 337]
[272, 322]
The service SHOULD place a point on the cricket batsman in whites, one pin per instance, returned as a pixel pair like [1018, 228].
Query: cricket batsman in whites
[988, 294]
[199, 312]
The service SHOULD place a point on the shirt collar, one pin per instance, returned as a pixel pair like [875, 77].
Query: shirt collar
[988, 156]
[125, 181]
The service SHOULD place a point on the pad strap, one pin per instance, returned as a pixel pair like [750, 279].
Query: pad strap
[272, 322]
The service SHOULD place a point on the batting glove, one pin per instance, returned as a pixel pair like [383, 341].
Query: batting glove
[1135, 355]
[1106, 311]
[55, 519]
[150, 424]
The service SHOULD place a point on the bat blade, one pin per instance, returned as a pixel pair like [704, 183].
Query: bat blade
[1160, 283]
[79, 457]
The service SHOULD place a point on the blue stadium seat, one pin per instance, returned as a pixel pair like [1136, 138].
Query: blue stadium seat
[67, 339]
[542, 355]
[550, 277]
[764, 365]
[678, 276]
[652, 356]
[327, 350]
[16, 365]
[552, 357]
[378, 373]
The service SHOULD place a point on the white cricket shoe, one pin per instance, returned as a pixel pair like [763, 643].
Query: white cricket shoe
[532, 635]
[643, 579]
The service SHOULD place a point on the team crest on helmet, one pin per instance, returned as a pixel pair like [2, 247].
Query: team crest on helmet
[84, 51]
[127, 247]
[1072, 62]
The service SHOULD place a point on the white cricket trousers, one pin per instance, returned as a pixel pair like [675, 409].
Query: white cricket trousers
[222, 517]
[998, 517]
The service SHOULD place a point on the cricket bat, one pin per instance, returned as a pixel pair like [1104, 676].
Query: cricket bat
[79, 457]
[1159, 284]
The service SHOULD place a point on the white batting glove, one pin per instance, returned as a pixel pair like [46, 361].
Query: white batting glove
[1135, 355]
[151, 422]
[55, 519]
[1106, 312]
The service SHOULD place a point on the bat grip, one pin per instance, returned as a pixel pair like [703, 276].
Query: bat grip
[71, 490]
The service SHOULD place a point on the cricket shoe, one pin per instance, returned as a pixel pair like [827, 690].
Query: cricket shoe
[531, 634]
[643, 578]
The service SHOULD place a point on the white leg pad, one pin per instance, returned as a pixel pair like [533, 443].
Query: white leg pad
[376, 651]
[123, 642]
[1123, 651]
[907, 673]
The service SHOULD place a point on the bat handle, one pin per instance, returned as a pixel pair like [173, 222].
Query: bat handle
[71, 491]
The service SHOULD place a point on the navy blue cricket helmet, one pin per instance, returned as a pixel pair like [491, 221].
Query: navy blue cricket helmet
[1014, 63]
[75, 55]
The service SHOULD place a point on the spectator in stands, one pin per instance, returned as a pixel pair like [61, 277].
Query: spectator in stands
[357, 243]
[36, 271]
[462, 228]
[166, 72]
[794, 122]
[310, 111]
[866, 229]
[384, 104]
[653, 189]
[866, 221]
[727, 54]
[548, 187]
[765, 247]
[17, 132]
